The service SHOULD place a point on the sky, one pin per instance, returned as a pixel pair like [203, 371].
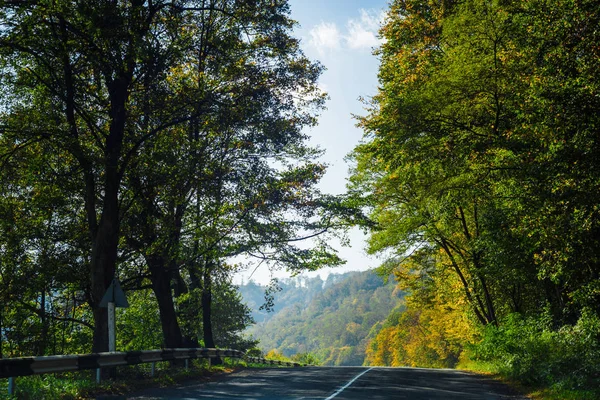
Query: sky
[341, 34]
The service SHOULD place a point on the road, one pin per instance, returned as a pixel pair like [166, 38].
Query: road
[339, 383]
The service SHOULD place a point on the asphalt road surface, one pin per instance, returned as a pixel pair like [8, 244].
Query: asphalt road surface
[341, 383]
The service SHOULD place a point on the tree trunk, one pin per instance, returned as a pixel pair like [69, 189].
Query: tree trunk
[104, 258]
[161, 285]
[103, 235]
[491, 312]
[43, 341]
[106, 239]
[473, 299]
[207, 311]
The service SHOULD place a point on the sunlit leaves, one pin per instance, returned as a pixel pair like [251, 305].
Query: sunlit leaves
[480, 144]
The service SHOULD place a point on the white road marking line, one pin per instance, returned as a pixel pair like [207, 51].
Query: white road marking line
[340, 390]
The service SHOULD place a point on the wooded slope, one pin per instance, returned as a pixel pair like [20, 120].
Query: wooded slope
[333, 319]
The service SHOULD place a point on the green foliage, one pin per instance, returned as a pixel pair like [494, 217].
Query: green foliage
[230, 316]
[276, 356]
[137, 325]
[333, 321]
[302, 358]
[52, 387]
[480, 168]
[151, 141]
[306, 358]
[534, 352]
[470, 146]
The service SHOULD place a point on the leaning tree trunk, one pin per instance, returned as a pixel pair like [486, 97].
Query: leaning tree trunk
[161, 285]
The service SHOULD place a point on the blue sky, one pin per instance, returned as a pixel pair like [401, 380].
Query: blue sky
[341, 34]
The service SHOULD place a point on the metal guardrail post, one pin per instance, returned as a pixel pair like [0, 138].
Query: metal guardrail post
[11, 386]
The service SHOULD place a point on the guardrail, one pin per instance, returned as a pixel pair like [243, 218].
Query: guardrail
[24, 366]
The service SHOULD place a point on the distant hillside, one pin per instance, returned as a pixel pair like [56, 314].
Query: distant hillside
[299, 290]
[332, 319]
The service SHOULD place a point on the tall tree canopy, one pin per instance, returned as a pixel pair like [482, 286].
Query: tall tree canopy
[481, 150]
[159, 137]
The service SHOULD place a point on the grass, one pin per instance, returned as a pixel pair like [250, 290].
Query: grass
[81, 385]
[536, 393]
[564, 394]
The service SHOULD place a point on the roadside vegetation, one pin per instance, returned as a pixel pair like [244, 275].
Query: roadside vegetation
[302, 358]
[129, 379]
[82, 385]
[152, 142]
[480, 167]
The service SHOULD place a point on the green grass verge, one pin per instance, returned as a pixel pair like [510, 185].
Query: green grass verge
[81, 385]
[533, 392]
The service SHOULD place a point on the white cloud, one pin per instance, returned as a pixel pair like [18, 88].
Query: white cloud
[362, 33]
[325, 36]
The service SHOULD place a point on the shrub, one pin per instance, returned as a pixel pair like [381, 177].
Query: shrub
[254, 352]
[306, 358]
[532, 351]
[276, 355]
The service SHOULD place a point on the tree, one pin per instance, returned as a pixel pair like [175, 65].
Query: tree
[425, 183]
[230, 315]
[166, 114]
[80, 64]
[42, 247]
[222, 186]
[470, 145]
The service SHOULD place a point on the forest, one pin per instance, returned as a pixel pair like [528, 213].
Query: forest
[480, 167]
[155, 141]
[152, 142]
[333, 320]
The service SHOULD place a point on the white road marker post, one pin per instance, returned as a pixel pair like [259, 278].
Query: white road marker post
[114, 297]
[112, 333]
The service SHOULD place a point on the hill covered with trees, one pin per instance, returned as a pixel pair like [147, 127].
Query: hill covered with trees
[332, 319]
